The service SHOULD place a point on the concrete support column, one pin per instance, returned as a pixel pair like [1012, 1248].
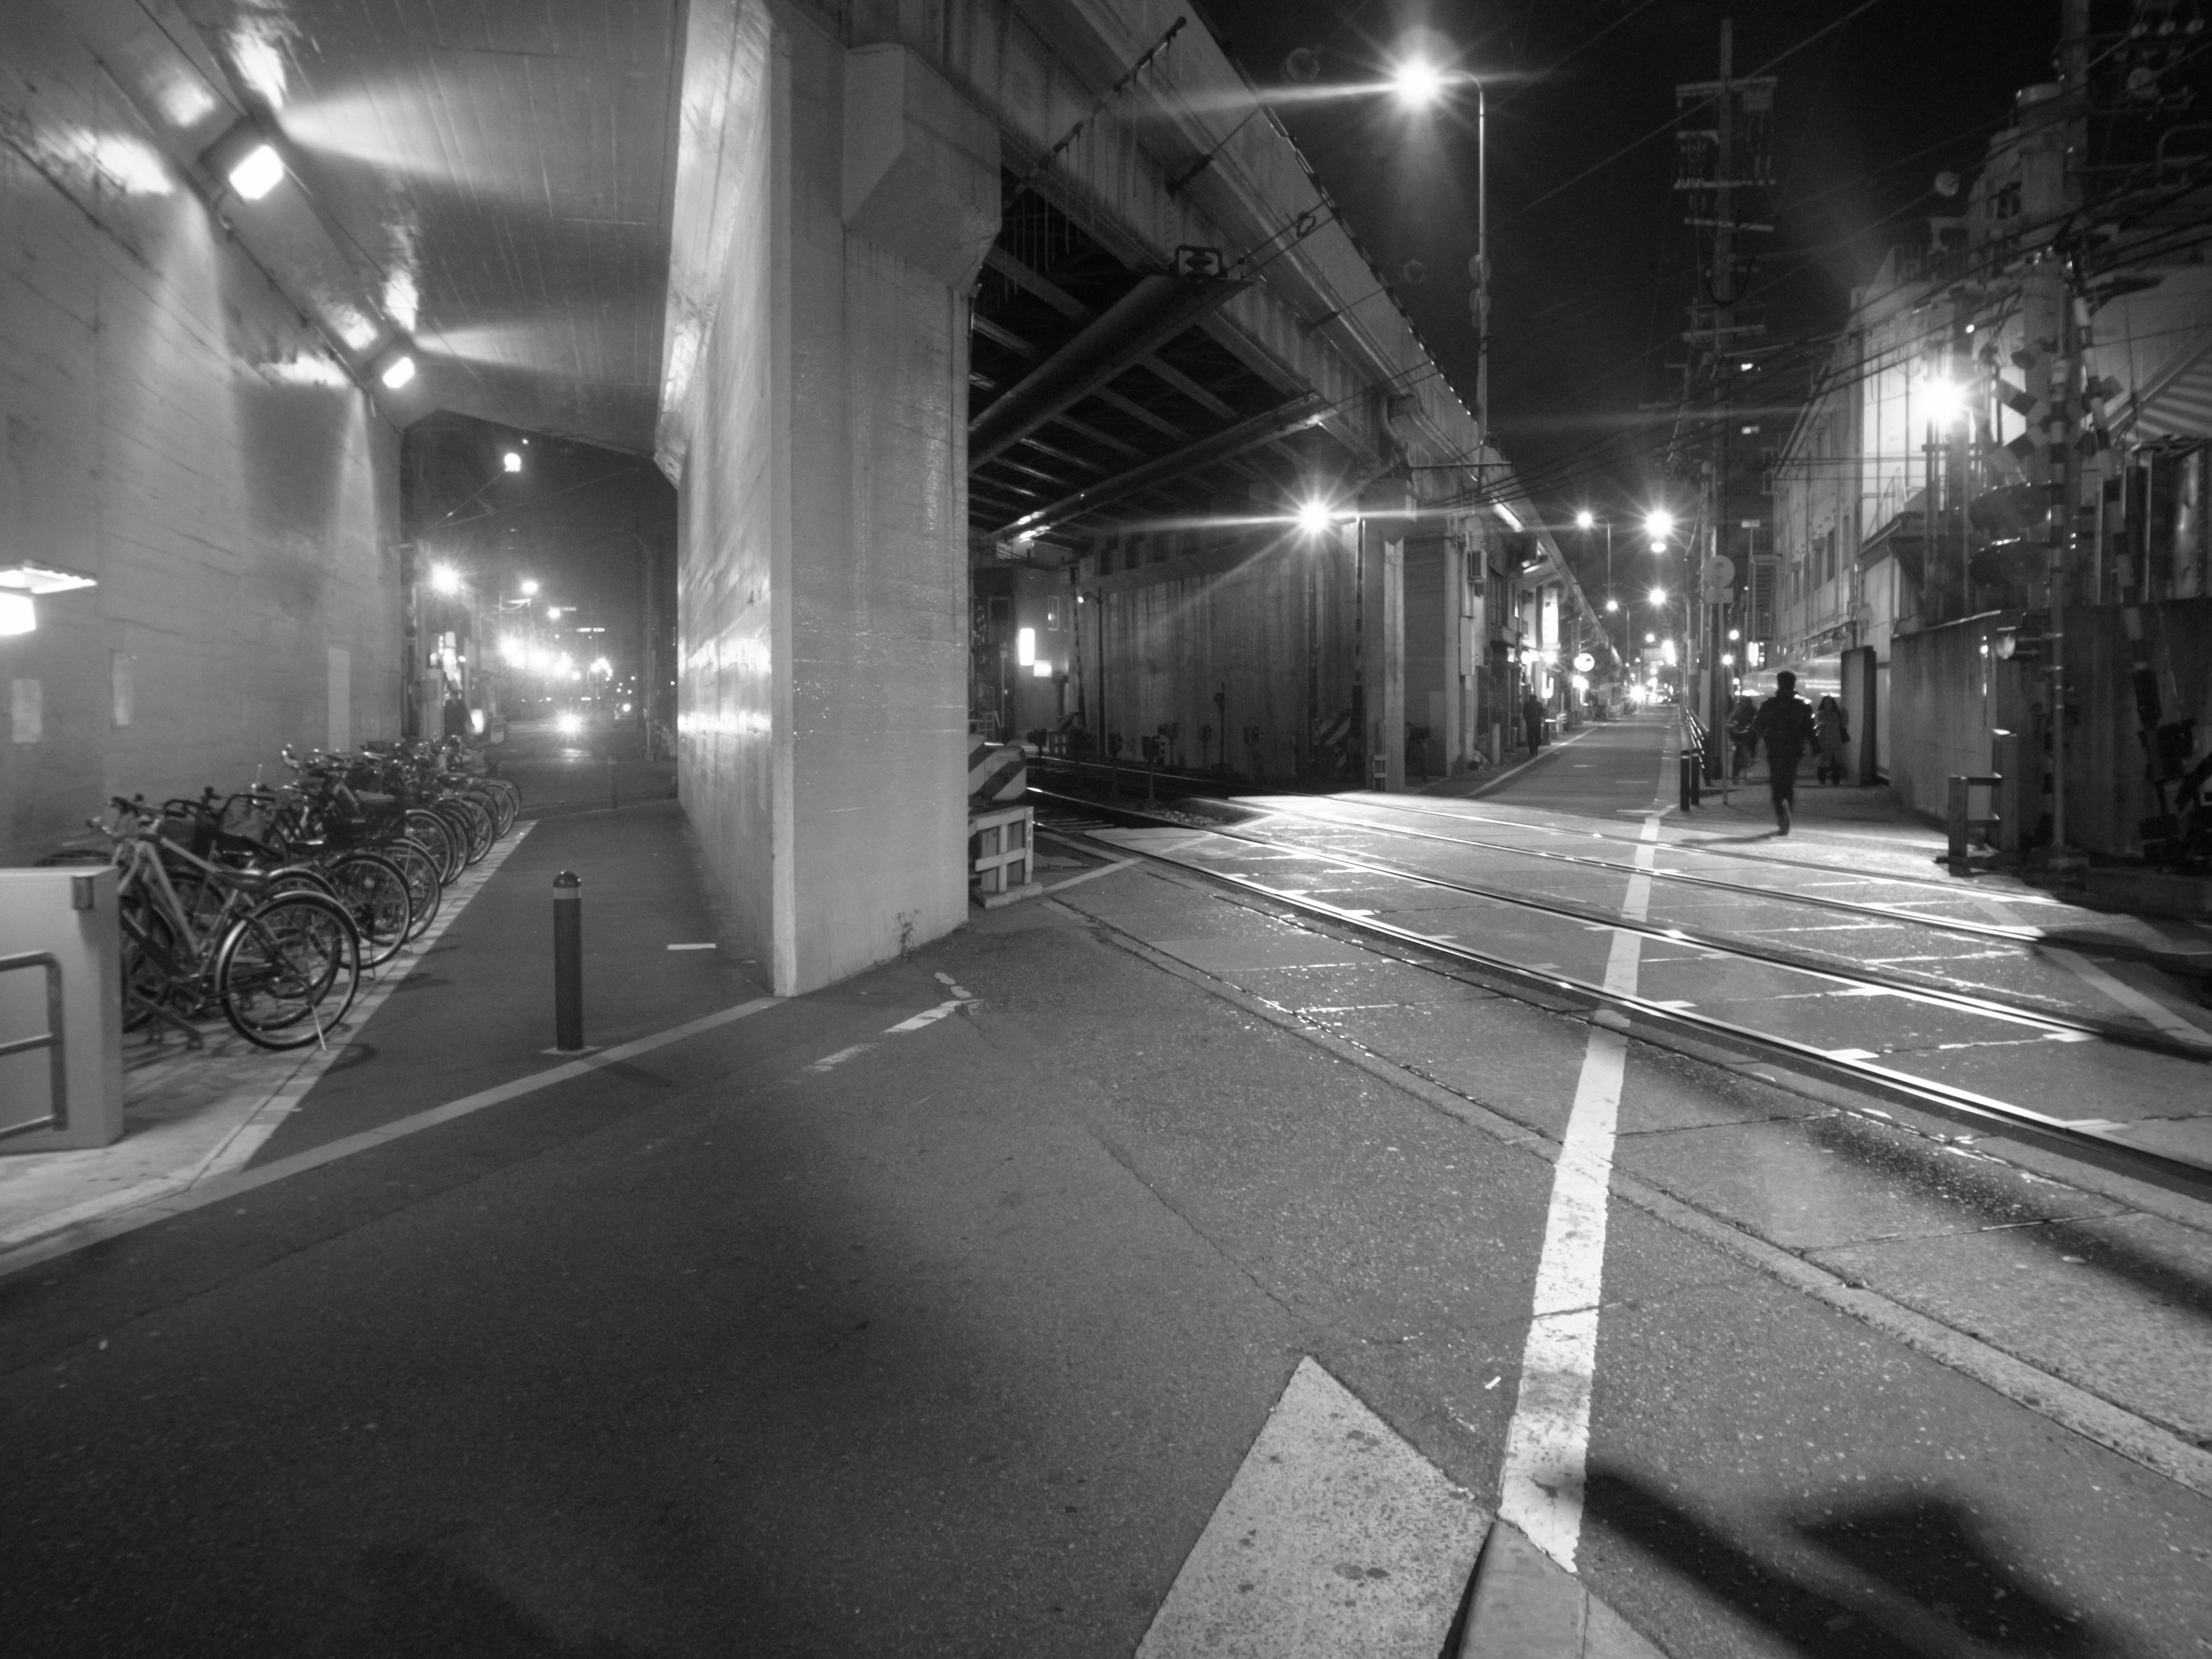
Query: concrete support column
[1385, 518]
[832, 208]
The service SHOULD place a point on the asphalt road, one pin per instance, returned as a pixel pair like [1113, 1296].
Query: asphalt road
[825, 1332]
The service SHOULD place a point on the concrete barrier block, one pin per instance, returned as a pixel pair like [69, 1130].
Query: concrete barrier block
[69, 913]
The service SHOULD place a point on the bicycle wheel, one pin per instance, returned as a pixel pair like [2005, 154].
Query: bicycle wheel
[425, 892]
[504, 799]
[483, 828]
[437, 838]
[374, 891]
[457, 829]
[149, 951]
[301, 878]
[288, 972]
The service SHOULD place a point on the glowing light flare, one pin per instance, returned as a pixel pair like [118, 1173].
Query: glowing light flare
[568, 725]
[399, 372]
[602, 667]
[1418, 83]
[1585, 519]
[1025, 646]
[258, 172]
[1041, 670]
[512, 461]
[1659, 522]
[1658, 596]
[445, 579]
[17, 614]
[529, 588]
[1947, 401]
[1315, 517]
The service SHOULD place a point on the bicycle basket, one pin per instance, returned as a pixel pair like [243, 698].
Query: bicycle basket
[250, 818]
[183, 824]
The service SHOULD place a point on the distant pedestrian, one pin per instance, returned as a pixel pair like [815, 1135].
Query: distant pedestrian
[1532, 717]
[1785, 726]
[1741, 744]
[1833, 732]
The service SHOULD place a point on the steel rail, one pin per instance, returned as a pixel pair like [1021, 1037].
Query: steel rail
[2174, 962]
[2088, 1143]
[1892, 981]
[1988, 930]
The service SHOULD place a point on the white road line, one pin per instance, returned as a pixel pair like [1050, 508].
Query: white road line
[220, 1187]
[1092, 875]
[255, 1129]
[1547, 1444]
[1336, 1540]
[706, 945]
[2140, 1004]
[830, 1062]
[928, 1016]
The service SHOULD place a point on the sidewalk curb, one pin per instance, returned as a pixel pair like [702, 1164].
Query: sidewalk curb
[1527, 1607]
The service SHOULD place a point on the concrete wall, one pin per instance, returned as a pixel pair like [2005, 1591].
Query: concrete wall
[1263, 620]
[172, 429]
[823, 594]
[1948, 694]
[2107, 792]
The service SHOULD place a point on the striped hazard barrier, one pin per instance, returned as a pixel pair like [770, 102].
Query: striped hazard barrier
[998, 772]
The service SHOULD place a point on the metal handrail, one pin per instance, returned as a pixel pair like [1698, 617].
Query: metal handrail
[51, 1038]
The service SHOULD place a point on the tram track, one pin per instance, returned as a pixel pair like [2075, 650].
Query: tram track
[2181, 962]
[2015, 1009]
[1673, 1025]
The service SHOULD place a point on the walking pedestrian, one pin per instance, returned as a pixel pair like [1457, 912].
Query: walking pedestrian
[1832, 732]
[1785, 726]
[1532, 718]
[1741, 744]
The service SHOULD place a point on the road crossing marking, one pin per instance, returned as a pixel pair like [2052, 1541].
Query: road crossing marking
[1336, 1540]
[1548, 1443]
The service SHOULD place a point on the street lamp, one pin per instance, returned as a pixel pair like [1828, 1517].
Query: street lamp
[529, 588]
[444, 579]
[1418, 83]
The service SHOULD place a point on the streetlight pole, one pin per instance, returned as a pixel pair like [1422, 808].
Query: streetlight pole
[1482, 260]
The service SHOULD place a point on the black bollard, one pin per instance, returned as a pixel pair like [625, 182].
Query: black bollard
[568, 962]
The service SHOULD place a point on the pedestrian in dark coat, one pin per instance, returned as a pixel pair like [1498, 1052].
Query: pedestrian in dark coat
[1532, 717]
[1834, 732]
[1785, 726]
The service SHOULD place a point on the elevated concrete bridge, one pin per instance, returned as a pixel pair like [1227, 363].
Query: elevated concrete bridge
[917, 304]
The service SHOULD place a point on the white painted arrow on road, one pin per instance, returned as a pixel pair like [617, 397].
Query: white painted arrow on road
[1336, 1541]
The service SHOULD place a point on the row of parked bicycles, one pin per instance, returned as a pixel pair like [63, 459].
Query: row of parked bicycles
[271, 903]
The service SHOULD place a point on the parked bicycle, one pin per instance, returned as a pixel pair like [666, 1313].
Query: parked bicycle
[280, 959]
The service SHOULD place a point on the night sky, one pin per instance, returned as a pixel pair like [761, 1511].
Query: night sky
[1593, 268]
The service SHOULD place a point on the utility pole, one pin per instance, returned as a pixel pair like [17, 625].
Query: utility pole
[1724, 171]
[2066, 397]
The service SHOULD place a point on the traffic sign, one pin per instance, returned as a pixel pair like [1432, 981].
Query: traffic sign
[1584, 662]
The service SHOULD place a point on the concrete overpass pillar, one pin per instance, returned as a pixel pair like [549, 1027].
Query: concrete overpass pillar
[1386, 520]
[832, 208]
